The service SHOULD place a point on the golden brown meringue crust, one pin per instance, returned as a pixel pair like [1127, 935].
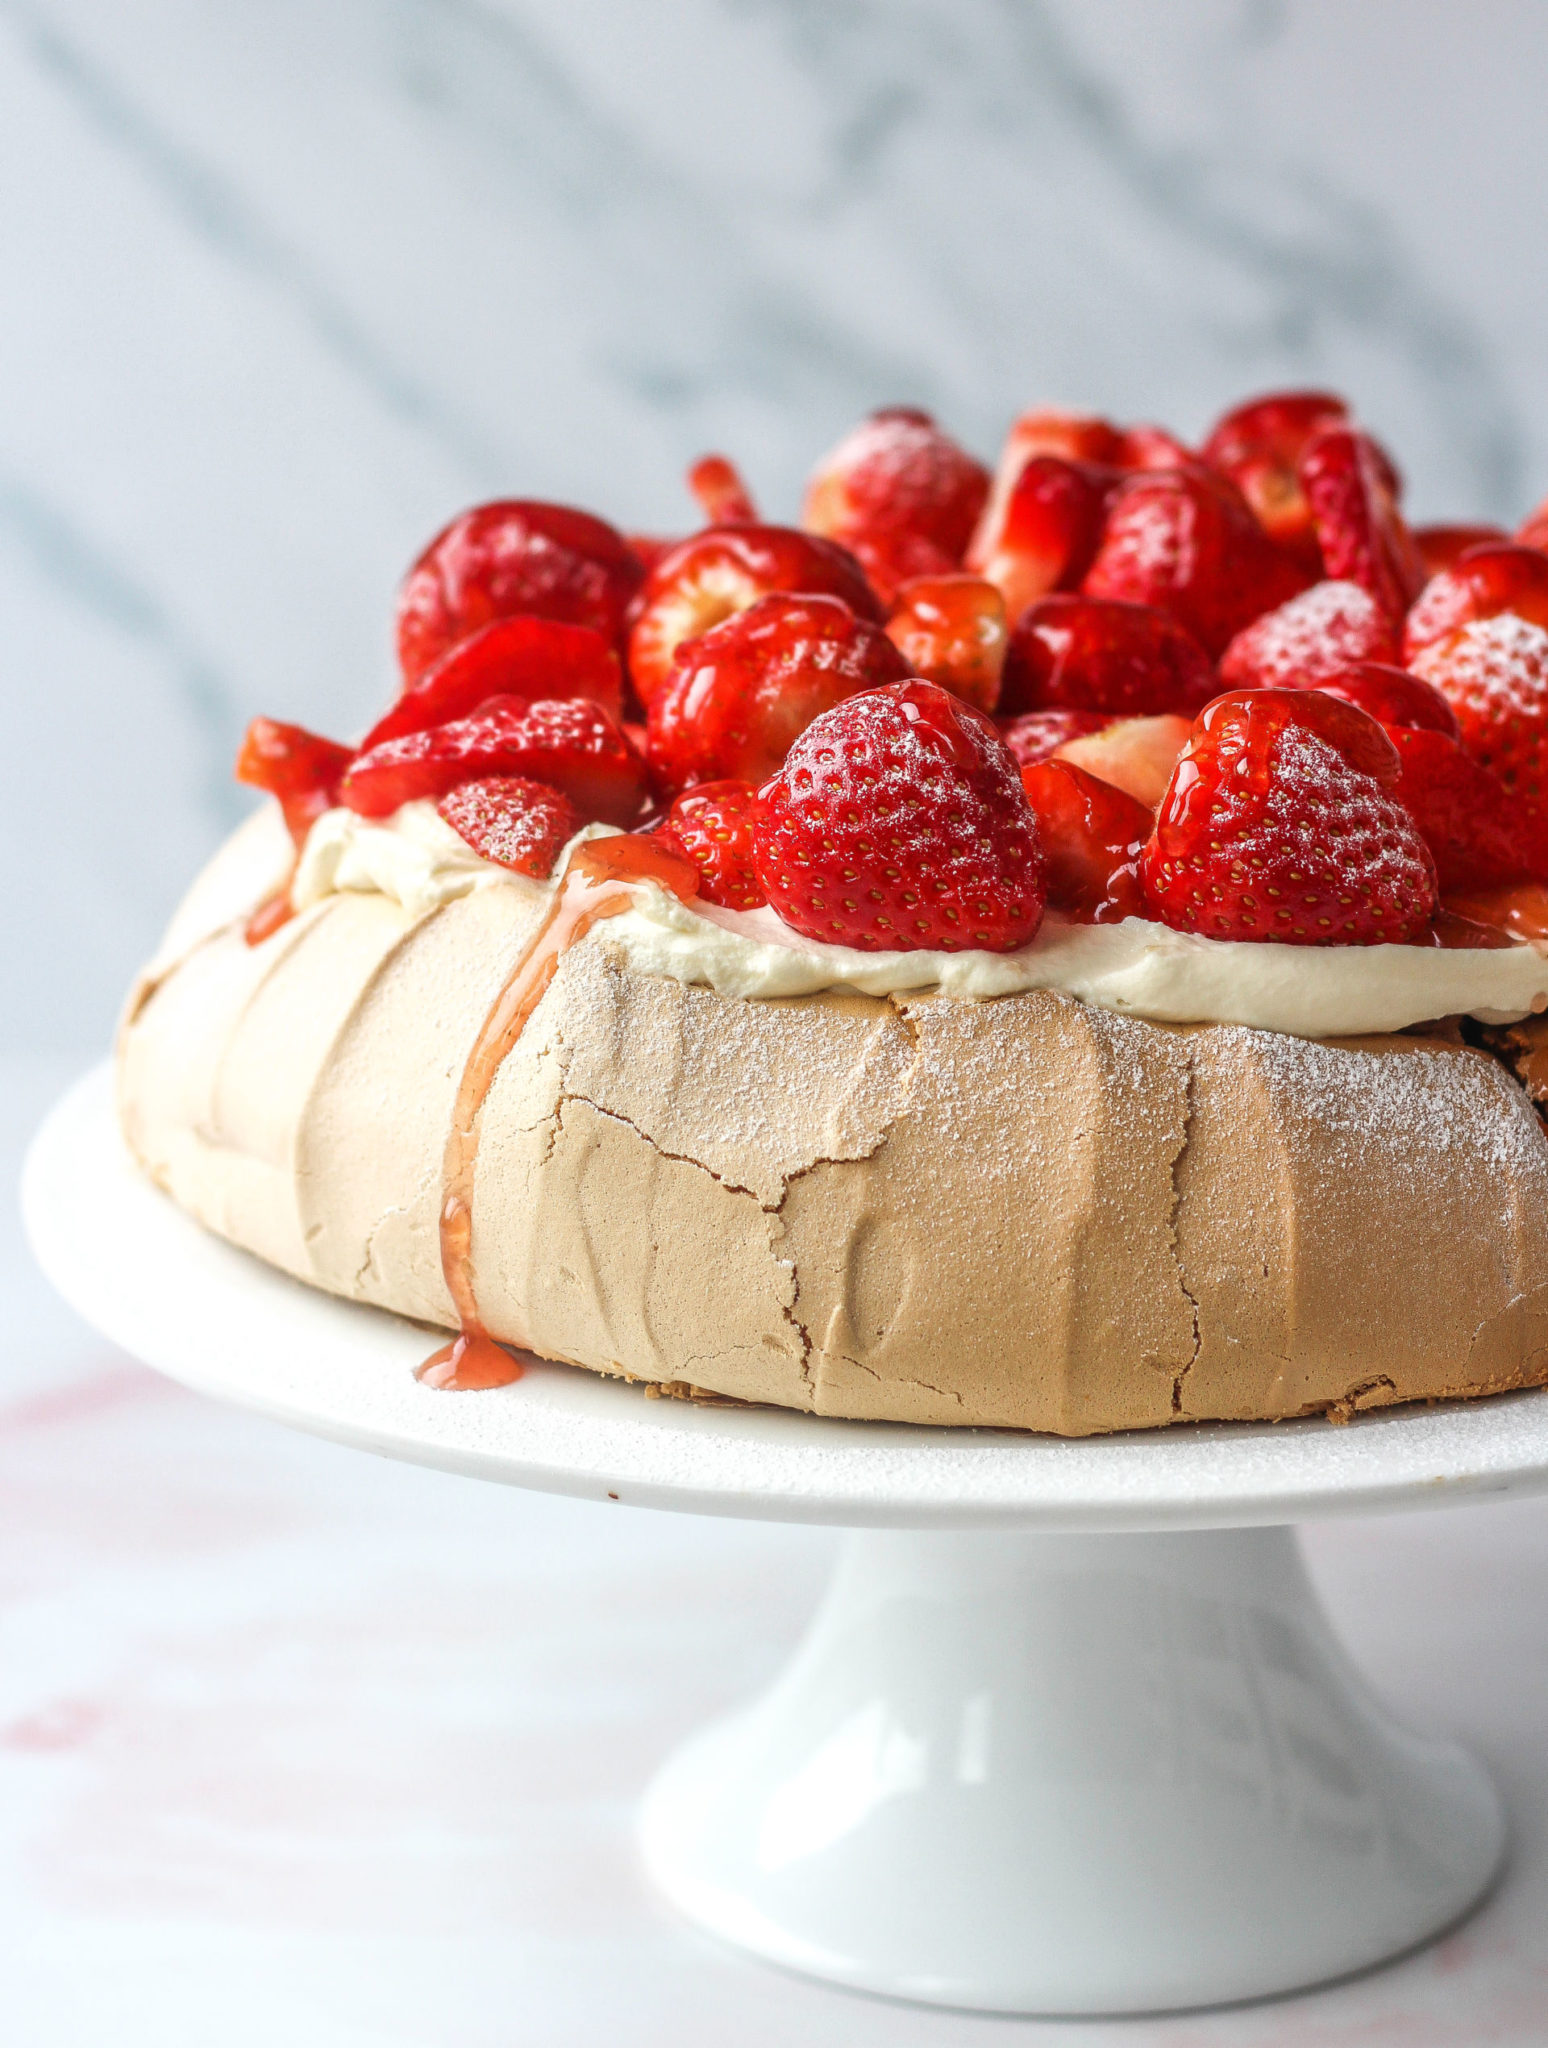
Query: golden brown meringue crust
[1025, 1213]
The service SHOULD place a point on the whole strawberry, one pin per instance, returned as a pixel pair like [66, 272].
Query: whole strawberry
[899, 823]
[1481, 584]
[739, 694]
[1494, 675]
[1279, 824]
[713, 826]
[1095, 654]
[901, 494]
[1317, 633]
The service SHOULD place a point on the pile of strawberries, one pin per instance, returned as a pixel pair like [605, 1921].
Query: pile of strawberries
[1226, 688]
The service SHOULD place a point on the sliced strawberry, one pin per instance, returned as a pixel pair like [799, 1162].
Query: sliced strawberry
[1092, 836]
[901, 494]
[1097, 654]
[1494, 675]
[951, 630]
[899, 821]
[723, 497]
[513, 821]
[515, 555]
[1042, 535]
[1486, 581]
[1184, 541]
[517, 657]
[1136, 755]
[1352, 491]
[714, 574]
[1478, 837]
[1037, 734]
[1314, 635]
[713, 827]
[1393, 697]
[300, 768]
[741, 693]
[1441, 547]
[1279, 825]
[570, 744]
[1259, 446]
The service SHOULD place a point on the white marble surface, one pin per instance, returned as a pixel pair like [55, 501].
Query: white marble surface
[283, 286]
[300, 1746]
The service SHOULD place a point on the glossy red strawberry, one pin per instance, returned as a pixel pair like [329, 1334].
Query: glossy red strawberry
[1280, 824]
[513, 821]
[741, 693]
[1488, 580]
[515, 555]
[951, 630]
[1092, 836]
[1393, 697]
[900, 494]
[899, 822]
[1034, 735]
[300, 768]
[1097, 654]
[1494, 675]
[570, 744]
[723, 496]
[1479, 838]
[713, 827]
[1323, 630]
[713, 575]
[1259, 446]
[1441, 547]
[1184, 541]
[1352, 491]
[516, 657]
[1042, 534]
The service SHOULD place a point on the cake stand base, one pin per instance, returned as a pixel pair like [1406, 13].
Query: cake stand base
[1071, 1775]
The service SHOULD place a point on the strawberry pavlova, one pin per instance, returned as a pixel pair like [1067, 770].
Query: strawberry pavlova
[1064, 949]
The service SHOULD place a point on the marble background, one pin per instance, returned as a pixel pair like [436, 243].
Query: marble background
[283, 286]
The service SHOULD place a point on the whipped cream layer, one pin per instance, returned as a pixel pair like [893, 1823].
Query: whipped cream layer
[1139, 968]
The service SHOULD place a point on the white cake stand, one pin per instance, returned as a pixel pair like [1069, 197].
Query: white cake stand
[1070, 1734]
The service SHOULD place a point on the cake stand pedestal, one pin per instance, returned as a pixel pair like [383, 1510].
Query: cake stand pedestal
[1070, 1733]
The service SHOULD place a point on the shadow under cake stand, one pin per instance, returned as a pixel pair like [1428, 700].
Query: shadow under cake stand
[1070, 1733]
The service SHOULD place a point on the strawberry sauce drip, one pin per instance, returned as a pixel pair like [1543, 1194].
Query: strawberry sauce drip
[272, 912]
[594, 886]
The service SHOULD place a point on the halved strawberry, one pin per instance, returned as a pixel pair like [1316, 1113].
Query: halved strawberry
[740, 694]
[1259, 446]
[1494, 675]
[1441, 547]
[1043, 533]
[516, 657]
[1352, 491]
[1136, 755]
[899, 821]
[1184, 541]
[299, 767]
[1479, 838]
[572, 745]
[1393, 697]
[1316, 634]
[1092, 836]
[714, 574]
[513, 821]
[1098, 654]
[515, 555]
[1280, 824]
[723, 497]
[900, 494]
[1497, 577]
[1037, 734]
[713, 827]
[951, 630]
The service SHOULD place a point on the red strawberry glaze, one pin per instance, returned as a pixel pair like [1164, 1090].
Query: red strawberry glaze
[594, 887]
[1097, 654]
[515, 555]
[303, 772]
[1092, 836]
[1279, 825]
[1322, 630]
[898, 822]
[741, 693]
[713, 826]
[517, 657]
[951, 630]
